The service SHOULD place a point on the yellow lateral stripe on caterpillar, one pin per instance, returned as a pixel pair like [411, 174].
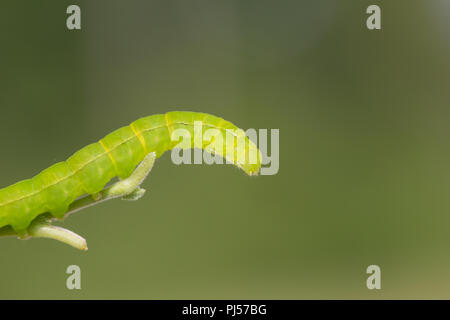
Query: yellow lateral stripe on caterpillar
[139, 136]
[108, 152]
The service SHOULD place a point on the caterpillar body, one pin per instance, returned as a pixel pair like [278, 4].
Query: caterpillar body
[116, 155]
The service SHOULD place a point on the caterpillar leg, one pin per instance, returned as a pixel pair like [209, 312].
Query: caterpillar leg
[130, 185]
[127, 189]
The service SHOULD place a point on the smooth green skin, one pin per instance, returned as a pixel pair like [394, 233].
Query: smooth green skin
[91, 168]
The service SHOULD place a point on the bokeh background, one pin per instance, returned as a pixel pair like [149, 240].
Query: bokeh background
[364, 146]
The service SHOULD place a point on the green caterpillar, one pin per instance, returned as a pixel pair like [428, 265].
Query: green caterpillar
[88, 171]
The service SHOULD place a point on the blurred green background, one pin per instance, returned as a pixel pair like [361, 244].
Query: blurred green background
[364, 155]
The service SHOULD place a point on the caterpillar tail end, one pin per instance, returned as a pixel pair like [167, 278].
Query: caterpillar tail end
[40, 230]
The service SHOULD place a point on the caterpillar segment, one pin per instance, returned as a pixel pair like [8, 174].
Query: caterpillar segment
[28, 206]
